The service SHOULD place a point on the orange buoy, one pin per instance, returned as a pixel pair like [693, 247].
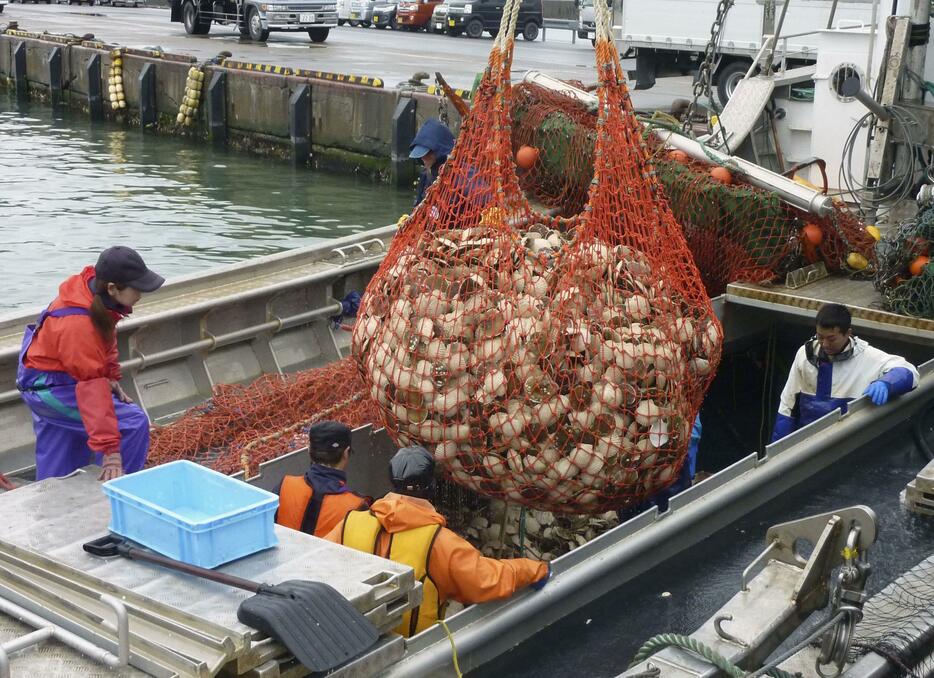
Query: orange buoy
[916, 267]
[678, 156]
[812, 234]
[721, 174]
[526, 157]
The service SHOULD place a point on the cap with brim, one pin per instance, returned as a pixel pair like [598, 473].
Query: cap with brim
[148, 282]
[419, 152]
[124, 265]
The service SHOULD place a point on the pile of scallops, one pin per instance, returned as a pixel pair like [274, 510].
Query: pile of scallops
[538, 369]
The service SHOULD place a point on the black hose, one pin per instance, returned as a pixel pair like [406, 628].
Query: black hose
[920, 438]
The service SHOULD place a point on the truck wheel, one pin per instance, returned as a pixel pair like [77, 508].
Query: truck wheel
[393, 24]
[474, 28]
[257, 32]
[354, 24]
[530, 31]
[318, 34]
[366, 24]
[341, 22]
[194, 24]
[728, 77]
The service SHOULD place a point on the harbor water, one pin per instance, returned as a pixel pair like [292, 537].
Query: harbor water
[69, 188]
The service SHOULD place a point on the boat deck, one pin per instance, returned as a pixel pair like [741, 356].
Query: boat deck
[864, 302]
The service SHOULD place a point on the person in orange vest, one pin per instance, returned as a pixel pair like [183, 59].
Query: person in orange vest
[317, 501]
[404, 527]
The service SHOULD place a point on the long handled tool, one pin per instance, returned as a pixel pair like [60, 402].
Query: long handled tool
[314, 622]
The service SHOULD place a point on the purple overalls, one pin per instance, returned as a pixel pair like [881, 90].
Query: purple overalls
[61, 438]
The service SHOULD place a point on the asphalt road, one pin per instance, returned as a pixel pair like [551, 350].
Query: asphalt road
[392, 56]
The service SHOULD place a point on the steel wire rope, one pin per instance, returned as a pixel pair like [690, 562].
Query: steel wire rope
[899, 185]
[702, 650]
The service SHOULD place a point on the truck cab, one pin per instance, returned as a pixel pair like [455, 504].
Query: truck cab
[256, 19]
[415, 14]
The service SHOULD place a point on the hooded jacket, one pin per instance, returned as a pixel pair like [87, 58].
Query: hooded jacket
[459, 571]
[435, 136]
[818, 384]
[72, 344]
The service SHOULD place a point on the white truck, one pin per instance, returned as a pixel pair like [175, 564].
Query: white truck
[255, 18]
[669, 37]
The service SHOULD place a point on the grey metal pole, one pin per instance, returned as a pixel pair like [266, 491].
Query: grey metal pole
[833, 11]
[778, 32]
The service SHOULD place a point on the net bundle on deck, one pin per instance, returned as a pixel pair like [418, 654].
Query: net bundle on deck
[735, 231]
[555, 364]
[249, 424]
[904, 276]
[561, 129]
[898, 623]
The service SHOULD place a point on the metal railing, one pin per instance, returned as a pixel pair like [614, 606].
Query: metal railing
[561, 24]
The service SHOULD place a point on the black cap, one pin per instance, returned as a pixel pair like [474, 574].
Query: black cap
[124, 265]
[412, 471]
[328, 436]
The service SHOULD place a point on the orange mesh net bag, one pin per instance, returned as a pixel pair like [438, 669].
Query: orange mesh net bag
[242, 426]
[556, 364]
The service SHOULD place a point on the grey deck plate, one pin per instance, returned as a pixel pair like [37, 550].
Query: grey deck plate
[55, 517]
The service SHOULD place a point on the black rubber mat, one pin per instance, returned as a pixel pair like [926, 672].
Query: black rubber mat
[315, 622]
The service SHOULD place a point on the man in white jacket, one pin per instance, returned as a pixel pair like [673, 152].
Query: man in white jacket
[833, 368]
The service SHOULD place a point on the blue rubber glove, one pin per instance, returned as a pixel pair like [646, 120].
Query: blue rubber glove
[540, 584]
[878, 392]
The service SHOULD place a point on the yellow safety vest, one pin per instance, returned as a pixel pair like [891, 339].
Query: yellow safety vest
[413, 548]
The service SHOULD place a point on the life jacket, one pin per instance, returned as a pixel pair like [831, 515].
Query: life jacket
[362, 531]
[316, 513]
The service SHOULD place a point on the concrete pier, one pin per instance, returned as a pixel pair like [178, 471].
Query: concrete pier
[352, 80]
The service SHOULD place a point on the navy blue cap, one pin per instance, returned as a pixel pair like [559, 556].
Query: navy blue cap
[412, 471]
[328, 436]
[124, 265]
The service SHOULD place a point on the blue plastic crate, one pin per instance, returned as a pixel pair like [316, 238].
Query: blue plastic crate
[191, 513]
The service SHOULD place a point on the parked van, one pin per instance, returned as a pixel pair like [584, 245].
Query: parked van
[343, 11]
[361, 13]
[586, 23]
[439, 18]
[384, 14]
[475, 16]
[415, 15]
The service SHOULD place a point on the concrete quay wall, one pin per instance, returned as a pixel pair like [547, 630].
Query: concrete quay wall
[345, 123]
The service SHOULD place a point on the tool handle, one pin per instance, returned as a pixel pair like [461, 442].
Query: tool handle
[194, 570]
[112, 545]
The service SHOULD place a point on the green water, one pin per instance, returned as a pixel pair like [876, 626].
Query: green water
[69, 189]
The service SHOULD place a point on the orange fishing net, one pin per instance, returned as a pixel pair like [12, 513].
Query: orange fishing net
[735, 231]
[555, 363]
[242, 426]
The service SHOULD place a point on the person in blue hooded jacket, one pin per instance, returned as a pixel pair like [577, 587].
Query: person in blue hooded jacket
[833, 368]
[432, 145]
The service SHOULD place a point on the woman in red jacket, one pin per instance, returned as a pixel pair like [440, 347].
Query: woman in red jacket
[69, 375]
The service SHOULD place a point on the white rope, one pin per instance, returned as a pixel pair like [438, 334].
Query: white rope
[603, 17]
